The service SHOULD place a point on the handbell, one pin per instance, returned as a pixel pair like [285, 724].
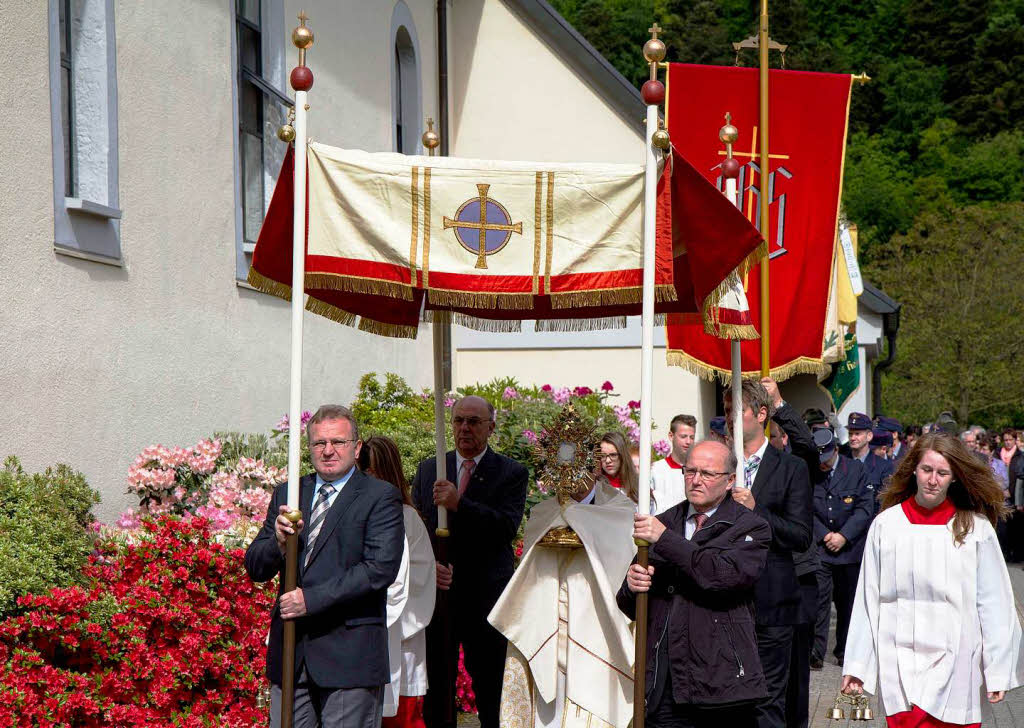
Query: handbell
[858, 714]
[868, 715]
[836, 714]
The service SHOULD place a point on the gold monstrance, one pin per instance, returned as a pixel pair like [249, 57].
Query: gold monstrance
[566, 458]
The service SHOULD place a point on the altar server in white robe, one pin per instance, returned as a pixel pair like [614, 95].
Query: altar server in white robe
[410, 598]
[570, 650]
[934, 626]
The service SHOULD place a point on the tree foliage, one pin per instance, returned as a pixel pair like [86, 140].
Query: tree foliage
[938, 132]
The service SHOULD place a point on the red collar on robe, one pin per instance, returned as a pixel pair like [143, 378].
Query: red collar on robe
[614, 482]
[672, 463]
[921, 516]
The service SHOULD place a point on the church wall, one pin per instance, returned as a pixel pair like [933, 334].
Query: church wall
[98, 360]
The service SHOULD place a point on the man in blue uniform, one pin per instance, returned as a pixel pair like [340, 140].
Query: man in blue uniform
[878, 469]
[893, 426]
[843, 510]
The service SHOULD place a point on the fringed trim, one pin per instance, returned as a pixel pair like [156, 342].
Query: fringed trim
[350, 284]
[395, 331]
[715, 297]
[610, 297]
[468, 299]
[679, 358]
[494, 326]
[267, 285]
[589, 324]
[745, 332]
[315, 305]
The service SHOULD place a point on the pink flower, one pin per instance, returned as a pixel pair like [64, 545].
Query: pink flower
[510, 393]
[662, 448]
[546, 388]
[449, 402]
[561, 395]
[129, 520]
[633, 404]
[530, 436]
[305, 417]
[607, 387]
[220, 520]
[282, 424]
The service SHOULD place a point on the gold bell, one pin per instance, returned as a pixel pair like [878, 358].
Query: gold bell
[286, 133]
[661, 139]
[867, 714]
[858, 714]
[836, 714]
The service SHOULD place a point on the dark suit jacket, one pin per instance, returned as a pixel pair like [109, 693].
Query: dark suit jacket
[343, 638]
[844, 504]
[482, 529]
[876, 470]
[782, 496]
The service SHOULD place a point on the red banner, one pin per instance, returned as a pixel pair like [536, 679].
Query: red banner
[807, 142]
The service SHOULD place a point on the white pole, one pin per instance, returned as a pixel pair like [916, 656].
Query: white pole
[440, 319]
[647, 316]
[298, 289]
[737, 371]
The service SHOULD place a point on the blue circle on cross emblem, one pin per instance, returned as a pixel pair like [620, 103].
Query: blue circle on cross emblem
[482, 225]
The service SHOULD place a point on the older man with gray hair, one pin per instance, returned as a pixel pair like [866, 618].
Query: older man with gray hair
[706, 555]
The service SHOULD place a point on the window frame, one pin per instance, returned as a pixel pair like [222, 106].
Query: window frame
[401, 18]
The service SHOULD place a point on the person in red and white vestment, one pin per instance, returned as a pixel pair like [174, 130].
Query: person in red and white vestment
[667, 487]
[410, 598]
[615, 466]
[934, 628]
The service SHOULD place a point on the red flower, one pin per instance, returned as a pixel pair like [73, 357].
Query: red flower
[546, 388]
[607, 387]
[633, 404]
[582, 391]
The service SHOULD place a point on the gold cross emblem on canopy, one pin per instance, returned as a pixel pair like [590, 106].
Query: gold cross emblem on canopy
[464, 224]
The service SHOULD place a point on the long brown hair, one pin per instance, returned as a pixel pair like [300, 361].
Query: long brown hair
[380, 458]
[627, 471]
[974, 488]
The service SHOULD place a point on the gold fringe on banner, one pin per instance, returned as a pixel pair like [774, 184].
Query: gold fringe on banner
[395, 331]
[495, 326]
[743, 332]
[679, 358]
[715, 297]
[268, 285]
[469, 299]
[588, 324]
[315, 305]
[351, 284]
[610, 297]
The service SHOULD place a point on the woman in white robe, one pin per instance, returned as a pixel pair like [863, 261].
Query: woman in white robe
[410, 598]
[934, 624]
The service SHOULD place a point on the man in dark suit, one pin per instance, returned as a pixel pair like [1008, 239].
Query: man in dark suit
[843, 509]
[777, 489]
[485, 494]
[348, 556]
[876, 469]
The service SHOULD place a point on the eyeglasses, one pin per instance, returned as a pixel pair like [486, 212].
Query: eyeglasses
[471, 421]
[608, 456]
[337, 443]
[708, 475]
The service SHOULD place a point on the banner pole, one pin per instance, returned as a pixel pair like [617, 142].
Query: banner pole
[653, 94]
[438, 327]
[301, 81]
[762, 47]
[730, 172]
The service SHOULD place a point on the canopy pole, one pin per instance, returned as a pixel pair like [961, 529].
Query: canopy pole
[763, 48]
[301, 80]
[439, 327]
[653, 94]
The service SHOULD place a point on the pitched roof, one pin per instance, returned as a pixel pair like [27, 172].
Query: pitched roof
[595, 69]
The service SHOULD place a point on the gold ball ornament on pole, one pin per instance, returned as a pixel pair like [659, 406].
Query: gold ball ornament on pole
[286, 133]
[728, 134]
[661, 139]
[431, 139]
[302, 36]
[654, 50]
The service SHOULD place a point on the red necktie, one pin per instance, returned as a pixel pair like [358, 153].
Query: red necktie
[467, 471]
[700, 519]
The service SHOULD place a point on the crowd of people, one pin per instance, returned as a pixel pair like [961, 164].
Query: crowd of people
[902, 531]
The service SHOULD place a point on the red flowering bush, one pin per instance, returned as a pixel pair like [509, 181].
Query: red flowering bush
[168, 630]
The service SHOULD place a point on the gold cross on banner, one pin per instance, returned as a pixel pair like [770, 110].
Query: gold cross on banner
[754, 154]
[483, 226]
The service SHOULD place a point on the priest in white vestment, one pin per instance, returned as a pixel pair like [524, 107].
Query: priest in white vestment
[934, 623]
[570, 648]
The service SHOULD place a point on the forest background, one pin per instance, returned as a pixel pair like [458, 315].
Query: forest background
[934, 173]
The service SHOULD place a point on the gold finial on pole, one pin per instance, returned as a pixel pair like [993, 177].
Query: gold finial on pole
[302, 37]
[654, 49]
[431, 139]
[861, 78]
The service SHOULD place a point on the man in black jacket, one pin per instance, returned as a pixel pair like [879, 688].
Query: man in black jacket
[778, 489]
[706, 554]
[348, 556]
[485, 494]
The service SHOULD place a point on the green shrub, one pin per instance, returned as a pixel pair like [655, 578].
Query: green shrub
[45, 530]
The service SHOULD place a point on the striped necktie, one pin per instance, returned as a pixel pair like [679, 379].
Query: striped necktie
[749, 469]
[316, 520]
